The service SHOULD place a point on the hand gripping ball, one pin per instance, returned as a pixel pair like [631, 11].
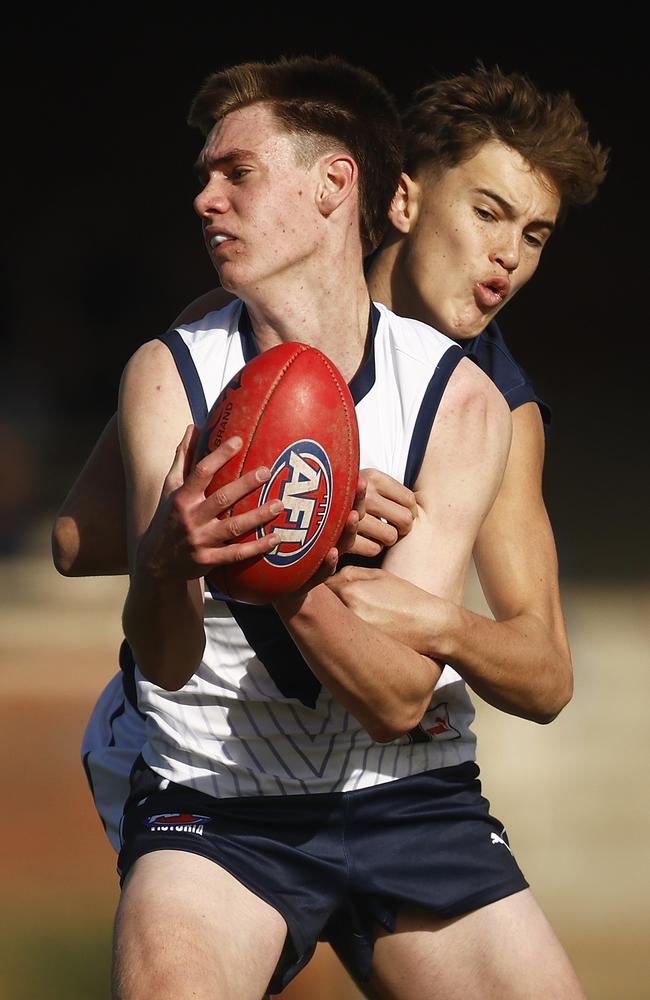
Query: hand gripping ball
[294, 413]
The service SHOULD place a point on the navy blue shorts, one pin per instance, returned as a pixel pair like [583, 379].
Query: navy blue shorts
[335, 864]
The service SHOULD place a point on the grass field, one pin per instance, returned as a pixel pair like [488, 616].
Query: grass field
[574, 795]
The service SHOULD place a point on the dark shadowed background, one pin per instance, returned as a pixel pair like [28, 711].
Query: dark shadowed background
[102, 250]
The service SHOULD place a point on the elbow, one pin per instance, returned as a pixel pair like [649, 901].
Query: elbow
[544, 716]
[391, 727]
[65, 545]
[382, 734]
[165, 676]
[558, 698]
[168, 670]
[172, 684]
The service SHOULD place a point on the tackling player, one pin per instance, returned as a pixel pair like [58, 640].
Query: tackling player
[518, 206]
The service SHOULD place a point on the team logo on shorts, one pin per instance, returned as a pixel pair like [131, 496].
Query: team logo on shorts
[301, 478]
[177, 823]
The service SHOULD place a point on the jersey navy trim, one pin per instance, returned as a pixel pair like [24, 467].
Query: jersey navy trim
[428, 410]
[188, 373]
[86, 767]
[261, 625]
[268, 638]
[364, 379]
[522, 394]
[120, 710]
[127, 666]
[249, 345]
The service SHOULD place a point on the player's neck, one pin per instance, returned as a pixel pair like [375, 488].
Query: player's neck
[318, 307]
[381, 274]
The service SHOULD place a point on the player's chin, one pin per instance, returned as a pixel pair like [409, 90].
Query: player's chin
[472, 327]
[228, 279]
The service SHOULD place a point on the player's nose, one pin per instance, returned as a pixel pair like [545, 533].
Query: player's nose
[506, 253]
[211, 199]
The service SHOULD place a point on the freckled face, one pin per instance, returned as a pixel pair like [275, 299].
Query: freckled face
[477, 238]
[257, 203]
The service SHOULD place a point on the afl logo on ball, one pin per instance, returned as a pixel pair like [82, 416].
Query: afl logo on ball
[302, 479]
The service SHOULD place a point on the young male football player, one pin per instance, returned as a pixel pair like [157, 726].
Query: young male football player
[506, 184]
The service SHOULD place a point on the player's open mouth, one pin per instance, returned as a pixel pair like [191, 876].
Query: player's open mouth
[491, 293]
[218, 239]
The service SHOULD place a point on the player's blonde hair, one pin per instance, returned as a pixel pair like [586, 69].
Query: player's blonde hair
[320, 102]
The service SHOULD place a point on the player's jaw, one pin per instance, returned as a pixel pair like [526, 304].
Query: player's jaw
[479, 302]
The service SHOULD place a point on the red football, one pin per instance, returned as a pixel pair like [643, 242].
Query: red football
[294, 413]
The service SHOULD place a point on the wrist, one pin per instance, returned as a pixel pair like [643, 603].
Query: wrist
[293, 605]
[444, 640]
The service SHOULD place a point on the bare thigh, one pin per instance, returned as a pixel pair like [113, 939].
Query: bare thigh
[504, 951]
[187, 928]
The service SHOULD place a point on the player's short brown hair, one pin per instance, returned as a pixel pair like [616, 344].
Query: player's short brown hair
[449, 119]
[320, 101]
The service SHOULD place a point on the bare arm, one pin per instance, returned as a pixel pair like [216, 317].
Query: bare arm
[525, 663]
[89, 533]
[384, 683]
[520, 662]
[175, 532]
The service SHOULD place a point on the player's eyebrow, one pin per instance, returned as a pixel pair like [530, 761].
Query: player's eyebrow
[511, 212]
[205, 162]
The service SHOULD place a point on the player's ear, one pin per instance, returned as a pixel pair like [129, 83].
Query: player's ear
[405, 205]
[339, 178]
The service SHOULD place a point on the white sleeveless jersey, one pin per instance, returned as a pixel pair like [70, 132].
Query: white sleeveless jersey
[254, 720]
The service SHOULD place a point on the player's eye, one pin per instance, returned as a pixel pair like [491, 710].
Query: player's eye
[534, 241]
[484, 215]
[238, 174]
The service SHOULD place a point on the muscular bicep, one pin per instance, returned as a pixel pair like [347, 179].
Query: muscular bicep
[515, 554]
[153, 415]
[459, 478]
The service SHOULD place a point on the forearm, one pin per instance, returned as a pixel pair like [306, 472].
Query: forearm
[384, 684]
[89, 534]
[163, 624]
[517, 664]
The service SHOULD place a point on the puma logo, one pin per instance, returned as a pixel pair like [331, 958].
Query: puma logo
[496, 839]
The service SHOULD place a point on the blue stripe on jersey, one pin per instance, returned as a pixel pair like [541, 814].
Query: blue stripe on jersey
[428, 410]
[261, 625]
[120, 710]
[266, 635]
[127, 666]
[364, 379]
[188, 373]
[249, 345]
[89, 779]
